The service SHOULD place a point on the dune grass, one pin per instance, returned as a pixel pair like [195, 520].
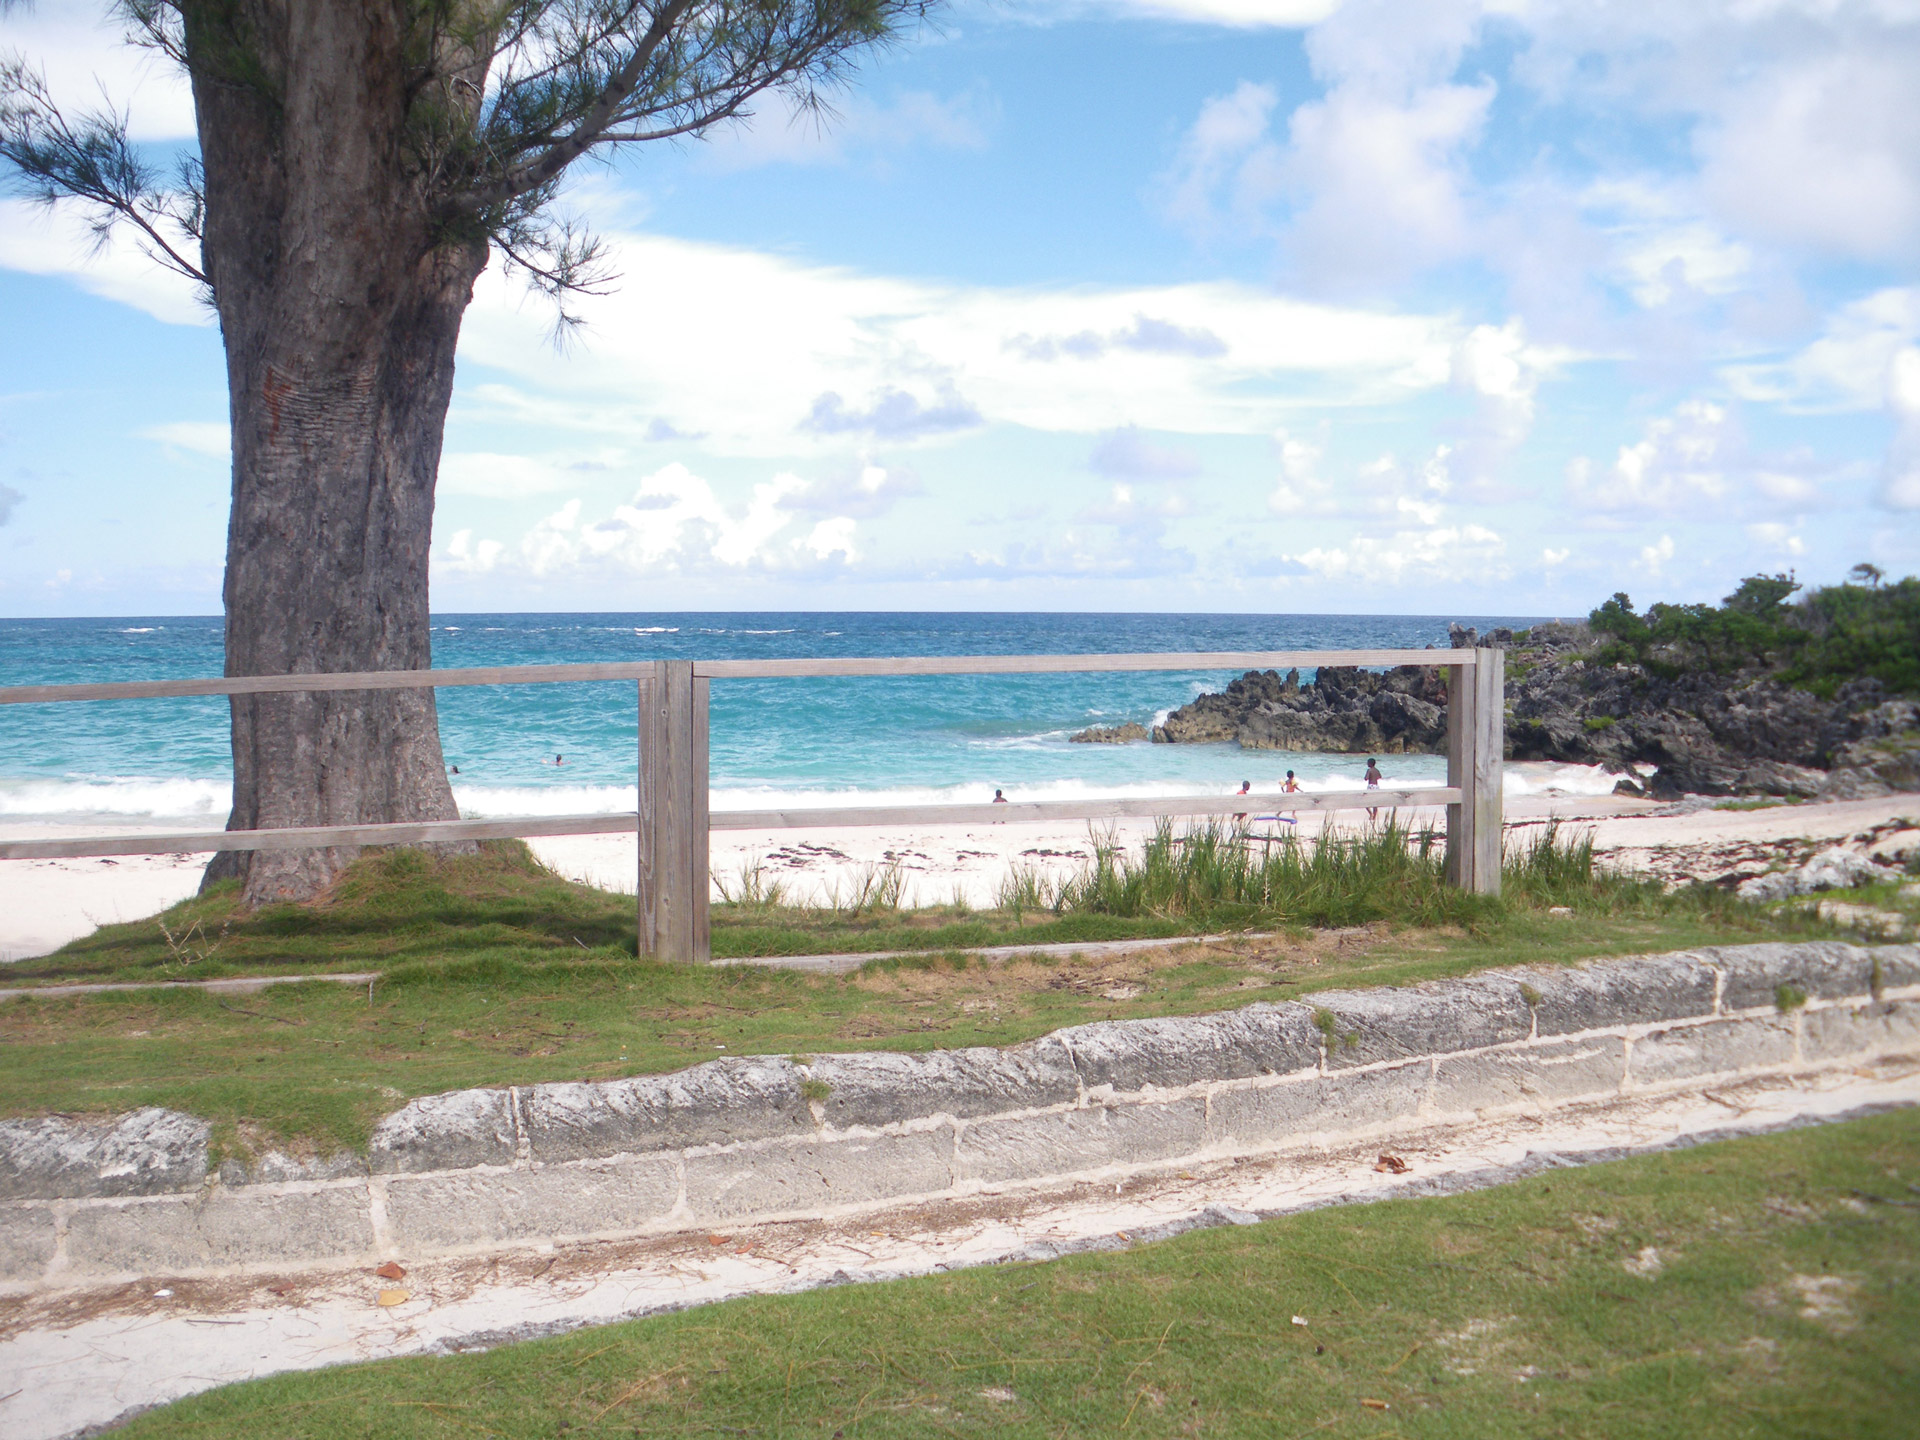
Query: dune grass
[495, 972]
[1766, 1286]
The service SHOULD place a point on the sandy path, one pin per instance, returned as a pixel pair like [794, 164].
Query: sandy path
[81, 1358]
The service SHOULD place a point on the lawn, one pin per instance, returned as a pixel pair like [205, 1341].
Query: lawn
[1767, 1286]
[495, 972]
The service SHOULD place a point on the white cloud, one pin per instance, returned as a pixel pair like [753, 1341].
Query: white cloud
[10, 499]
[1697, 460]
[1777, 538]
[673, 522]
[1900, 482]
[82, 52]
[1654, 557]
[1822, 149]
[829, 352]
[1847, 367]
[1681, 459]
[56, 241]
[1443, 551]
[202, 437]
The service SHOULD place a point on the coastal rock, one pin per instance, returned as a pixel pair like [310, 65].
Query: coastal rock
[1832, 869]
[1111, 734]
[1701, 733]
[1342, 710]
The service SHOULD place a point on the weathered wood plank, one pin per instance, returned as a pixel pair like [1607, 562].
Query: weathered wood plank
[700, 835]
[358, 680]
[1489, 745]
[1070, 664]
[313, 837]
[1460, 734]
[647, 796]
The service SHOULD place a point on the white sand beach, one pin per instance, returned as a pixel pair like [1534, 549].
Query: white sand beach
[46, 903]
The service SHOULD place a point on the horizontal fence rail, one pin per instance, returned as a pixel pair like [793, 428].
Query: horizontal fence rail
[313, 837]
[673, 824]
[726, 670]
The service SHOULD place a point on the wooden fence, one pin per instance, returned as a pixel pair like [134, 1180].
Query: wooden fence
[673, 822]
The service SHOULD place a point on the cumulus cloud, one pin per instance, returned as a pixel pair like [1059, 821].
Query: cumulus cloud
[894, 414]
[1442, 550]
[836, 353]
[56, 241]
[1145, 334]
[675, 522]
[1697, 459]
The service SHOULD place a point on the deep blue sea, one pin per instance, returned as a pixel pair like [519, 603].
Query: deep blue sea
[792, 742]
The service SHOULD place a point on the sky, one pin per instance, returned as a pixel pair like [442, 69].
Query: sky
[1458, 307]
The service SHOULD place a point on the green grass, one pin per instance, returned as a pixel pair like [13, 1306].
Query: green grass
[1767, 1286]
[494, 972]
[399, 907]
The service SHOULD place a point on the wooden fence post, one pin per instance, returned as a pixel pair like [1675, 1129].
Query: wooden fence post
[1460, 737]
[1489, 768]
[1476, 743]
[672, 818]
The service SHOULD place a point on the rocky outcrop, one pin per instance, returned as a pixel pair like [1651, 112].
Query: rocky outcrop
[1342, 710]
[1111, 734]
[1699, 732]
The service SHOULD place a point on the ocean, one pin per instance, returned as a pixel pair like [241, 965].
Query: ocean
[809, 742]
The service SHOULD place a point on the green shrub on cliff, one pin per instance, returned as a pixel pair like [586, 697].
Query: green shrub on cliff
[1828, 636]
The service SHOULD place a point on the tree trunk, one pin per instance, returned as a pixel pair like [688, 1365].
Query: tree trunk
[340, 308]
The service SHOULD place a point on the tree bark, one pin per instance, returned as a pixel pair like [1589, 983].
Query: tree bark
[340, 308]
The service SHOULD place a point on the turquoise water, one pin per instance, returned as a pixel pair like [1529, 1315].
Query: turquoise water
[793, 742]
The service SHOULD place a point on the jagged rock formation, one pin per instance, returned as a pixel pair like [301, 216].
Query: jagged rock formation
[1701, 733]
[1110, 734]
[1342, 710]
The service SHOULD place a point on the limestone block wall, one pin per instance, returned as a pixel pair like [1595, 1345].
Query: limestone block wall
[760, 1138]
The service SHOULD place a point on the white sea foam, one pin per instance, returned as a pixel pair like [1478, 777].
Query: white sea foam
[654, 630]
[141, 629]
[77, 797]
[205, 801]
[1542, 777]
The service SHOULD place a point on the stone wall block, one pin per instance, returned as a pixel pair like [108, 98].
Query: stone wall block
[1371, 1026]
[1168, 1053]
[780, 1179]
[479, 1207]
[445, 1132]
[1899, 965]
[1716, 1048]
[1531, 1075]
[884, 1089]
[221, 1227]
[1073, 1141]
[722, 1102]
[1274, 1114]
[145, 1152]
[1844, 1032]
[1825, 969]
[1640, 991]
[26, 1243]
